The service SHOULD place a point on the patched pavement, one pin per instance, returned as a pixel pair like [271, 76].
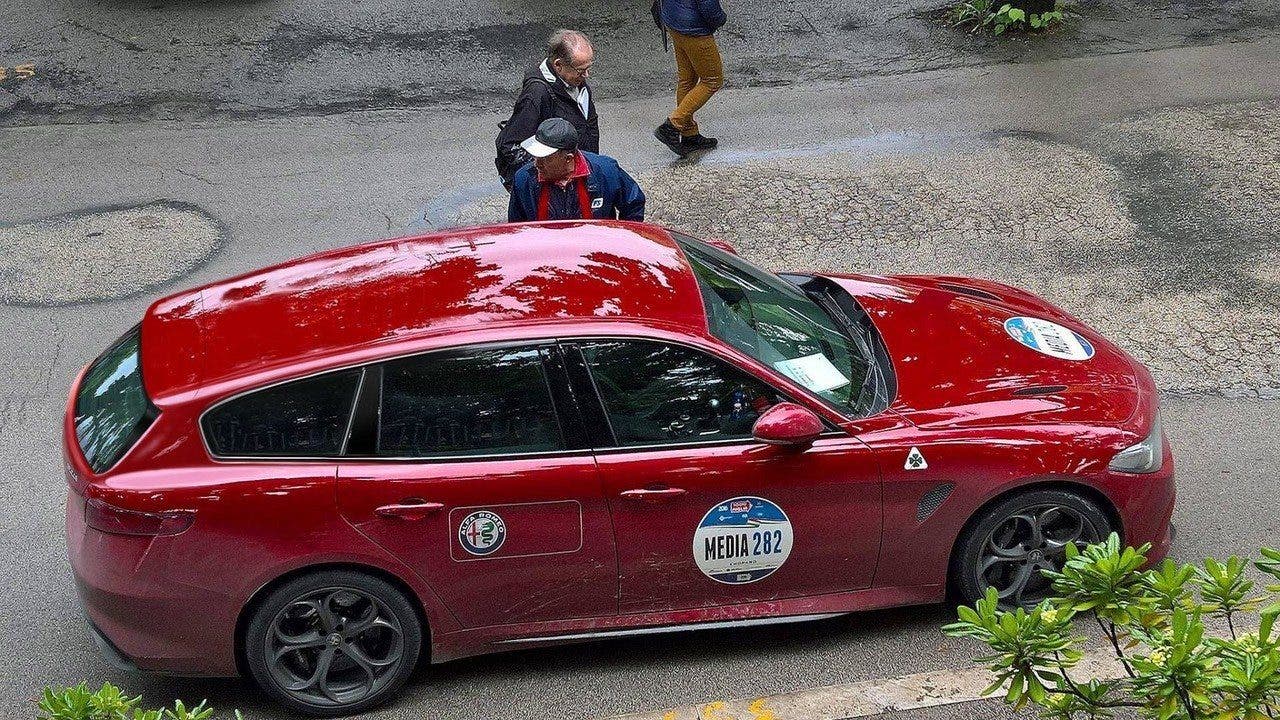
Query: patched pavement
[102, 254]
[174, 59]
[1117, 203]
[1160, 230]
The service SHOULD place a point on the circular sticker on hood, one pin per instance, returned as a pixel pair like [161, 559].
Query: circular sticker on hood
[742, 540]
[1049, 338]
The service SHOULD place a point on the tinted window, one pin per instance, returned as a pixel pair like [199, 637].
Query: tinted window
[656, 393]
[485, 402]
[304, 418]
[112, 409]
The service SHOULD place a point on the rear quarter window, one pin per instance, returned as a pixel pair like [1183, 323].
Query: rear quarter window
[112, 409]
[302, 418]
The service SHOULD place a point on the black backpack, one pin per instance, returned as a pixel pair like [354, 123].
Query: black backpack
[656, 10]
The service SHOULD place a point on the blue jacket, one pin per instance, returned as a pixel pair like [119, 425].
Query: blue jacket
[693, 17]
[614, 194]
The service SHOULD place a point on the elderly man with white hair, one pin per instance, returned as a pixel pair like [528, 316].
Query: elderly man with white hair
[553, 87]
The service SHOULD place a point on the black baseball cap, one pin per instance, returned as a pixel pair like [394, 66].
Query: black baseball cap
[554, 134]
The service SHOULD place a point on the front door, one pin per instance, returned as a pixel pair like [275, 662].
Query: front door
[703, 514]
[470, 481]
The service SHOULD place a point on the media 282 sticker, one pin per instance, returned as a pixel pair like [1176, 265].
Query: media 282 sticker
[742, 540]
[1049, 338]
[482, 532]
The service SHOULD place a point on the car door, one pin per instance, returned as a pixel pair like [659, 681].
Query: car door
[704, 514]
[475, 478]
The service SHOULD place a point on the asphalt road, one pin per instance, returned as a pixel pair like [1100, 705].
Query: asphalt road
[187, 59]
[1164, 161]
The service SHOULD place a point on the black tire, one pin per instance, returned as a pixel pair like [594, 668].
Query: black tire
[366, 627]
[999, 548]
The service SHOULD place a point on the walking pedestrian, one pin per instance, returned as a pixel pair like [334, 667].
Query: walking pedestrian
[699, 70]
[565, 182]
[553, 87]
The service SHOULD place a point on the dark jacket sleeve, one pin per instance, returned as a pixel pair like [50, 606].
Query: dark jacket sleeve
[530, 109]
[712, 14]
[630, 202]
[518, 207]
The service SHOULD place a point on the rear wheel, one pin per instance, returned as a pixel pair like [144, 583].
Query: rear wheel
[1012, 542]
[335, 642]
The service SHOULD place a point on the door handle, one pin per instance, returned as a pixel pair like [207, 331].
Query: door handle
[408, 509]
[653, 495]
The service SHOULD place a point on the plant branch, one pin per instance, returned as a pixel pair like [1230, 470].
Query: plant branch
[1115, 643]
[1074, 690]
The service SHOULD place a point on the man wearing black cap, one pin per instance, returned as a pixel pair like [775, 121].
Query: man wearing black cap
[566, 183]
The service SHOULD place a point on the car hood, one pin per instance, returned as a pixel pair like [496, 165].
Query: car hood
[956, 363]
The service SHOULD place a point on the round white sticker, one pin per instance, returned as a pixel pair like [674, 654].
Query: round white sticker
[1049, 338]
[742, 540]
[482, 532]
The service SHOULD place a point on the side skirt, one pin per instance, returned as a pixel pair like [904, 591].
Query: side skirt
[603, 634]
[497, 638]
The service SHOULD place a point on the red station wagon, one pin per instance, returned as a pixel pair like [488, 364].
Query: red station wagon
[319, 473]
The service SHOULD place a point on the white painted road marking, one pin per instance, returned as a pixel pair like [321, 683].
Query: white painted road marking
[868, 698]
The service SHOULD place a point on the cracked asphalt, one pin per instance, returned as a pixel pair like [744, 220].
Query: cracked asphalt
[181, 59]
[1139, 189]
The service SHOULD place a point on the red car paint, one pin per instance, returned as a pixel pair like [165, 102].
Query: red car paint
[585, 551]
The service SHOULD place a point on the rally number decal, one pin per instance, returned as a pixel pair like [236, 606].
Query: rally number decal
[1049, 338]
[742, 540]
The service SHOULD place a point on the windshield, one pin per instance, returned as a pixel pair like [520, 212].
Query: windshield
[801, 336]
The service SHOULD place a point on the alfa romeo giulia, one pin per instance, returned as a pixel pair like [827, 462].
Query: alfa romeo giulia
[320, 473]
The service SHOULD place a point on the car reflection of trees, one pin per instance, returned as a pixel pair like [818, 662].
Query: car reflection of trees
[656, 393]
[306, 417]
[486, 402]
[111, 406]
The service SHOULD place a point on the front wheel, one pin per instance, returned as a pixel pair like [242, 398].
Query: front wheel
[334, 642]
[1011, 543]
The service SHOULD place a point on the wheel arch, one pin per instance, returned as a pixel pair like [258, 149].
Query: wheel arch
[1083, 489]
[256, 599]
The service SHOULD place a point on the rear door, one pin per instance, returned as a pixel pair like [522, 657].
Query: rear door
[704, 514]
[475, 477]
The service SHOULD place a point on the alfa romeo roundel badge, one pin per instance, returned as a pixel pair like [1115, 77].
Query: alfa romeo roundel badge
[482, 532]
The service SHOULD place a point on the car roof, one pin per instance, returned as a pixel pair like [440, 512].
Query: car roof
[389, 291]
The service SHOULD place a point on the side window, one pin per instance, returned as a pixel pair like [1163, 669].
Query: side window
[655, 393]
[303, 418]
[485, 402]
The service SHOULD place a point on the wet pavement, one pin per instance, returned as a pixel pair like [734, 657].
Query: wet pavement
[1139, 190]
[185, 59]
[1159, 230]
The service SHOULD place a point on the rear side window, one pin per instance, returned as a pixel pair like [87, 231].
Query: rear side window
[303, 418]
[112, 408]
[485, 402]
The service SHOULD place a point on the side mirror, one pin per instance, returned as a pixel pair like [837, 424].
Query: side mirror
[722, 244]
[788, 424]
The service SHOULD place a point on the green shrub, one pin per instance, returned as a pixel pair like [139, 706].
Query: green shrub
[78, 702]
[1002, 16]
[1153, 621]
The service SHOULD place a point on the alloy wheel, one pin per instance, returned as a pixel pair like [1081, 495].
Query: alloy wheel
[1023, 545]
[334, 647]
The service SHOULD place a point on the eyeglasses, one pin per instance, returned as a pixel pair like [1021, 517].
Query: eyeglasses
[586, 69]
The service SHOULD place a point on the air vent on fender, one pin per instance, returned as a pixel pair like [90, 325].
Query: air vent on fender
[933, 500]
[970, 291]
[1040, 390]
